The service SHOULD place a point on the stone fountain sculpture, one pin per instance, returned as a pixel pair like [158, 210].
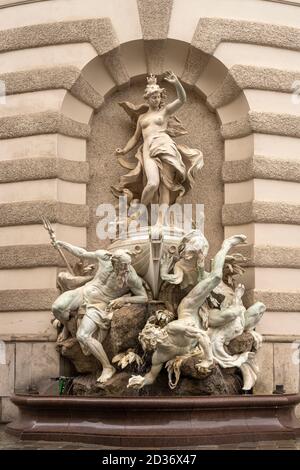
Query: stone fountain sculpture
[149, 319]
[146, 317]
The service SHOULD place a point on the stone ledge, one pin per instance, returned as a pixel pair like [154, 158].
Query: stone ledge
[67, 78]
[263, 212]
[42, 123]
[19, 300]
[242, 77]
[99, 32]
[27, 213]
[263, 123]
[281, 338]
[274, 301]
[210, 32]
[27, 169]
[270, 256]
[239, 128]
[261, 167]
[27, 338]
[31, 256]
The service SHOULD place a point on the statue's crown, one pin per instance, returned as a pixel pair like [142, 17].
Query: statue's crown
[152, 80]
[152, 85]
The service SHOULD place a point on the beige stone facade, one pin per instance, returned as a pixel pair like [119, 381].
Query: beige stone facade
[65, 64]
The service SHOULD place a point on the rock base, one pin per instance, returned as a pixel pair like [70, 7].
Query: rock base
[219, 382]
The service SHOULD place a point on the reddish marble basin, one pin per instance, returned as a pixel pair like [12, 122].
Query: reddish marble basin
[156, 422]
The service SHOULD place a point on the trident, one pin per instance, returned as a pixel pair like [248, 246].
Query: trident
[52, 236]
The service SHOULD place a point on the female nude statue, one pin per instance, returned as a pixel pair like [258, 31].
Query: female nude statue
[162, 170]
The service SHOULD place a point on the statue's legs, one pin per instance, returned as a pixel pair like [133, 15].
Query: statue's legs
[165, 194]
[152, 175]
[63, 305]
[169, 175]
[85, 336]
[253, 314]
[252, 317]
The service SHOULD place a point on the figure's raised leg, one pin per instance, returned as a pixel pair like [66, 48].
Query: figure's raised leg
[193, 301]
[228, 243]
[85, 336]
[252, 316]
[61, 308]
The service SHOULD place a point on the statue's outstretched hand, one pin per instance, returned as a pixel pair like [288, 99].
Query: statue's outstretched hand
[136, 382]
[166, 262]
[170, 77]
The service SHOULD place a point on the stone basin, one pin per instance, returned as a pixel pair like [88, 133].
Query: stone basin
[149, 422]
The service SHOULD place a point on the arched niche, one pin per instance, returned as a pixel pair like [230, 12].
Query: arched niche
[111, 128]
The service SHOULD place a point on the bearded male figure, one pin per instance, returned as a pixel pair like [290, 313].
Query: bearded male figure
[114, 280]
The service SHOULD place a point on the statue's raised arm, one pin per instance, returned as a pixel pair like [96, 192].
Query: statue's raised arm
[99, 255]
[181, 95]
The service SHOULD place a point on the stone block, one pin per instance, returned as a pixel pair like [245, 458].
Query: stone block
[9, 411]
[7, 369]
[286, 366]
[34, 363]
[265, 381]
[26, 325]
